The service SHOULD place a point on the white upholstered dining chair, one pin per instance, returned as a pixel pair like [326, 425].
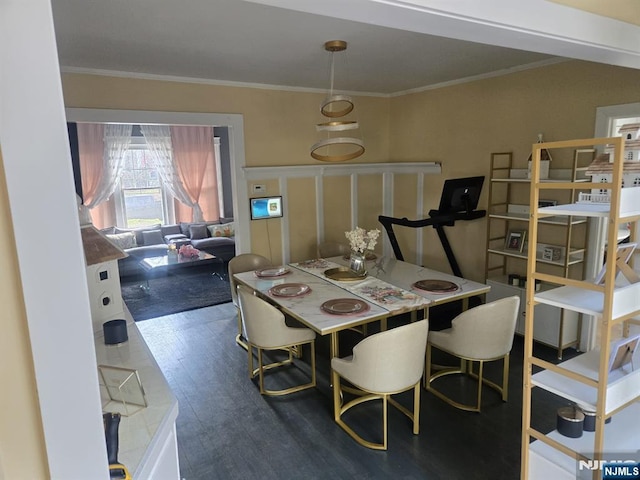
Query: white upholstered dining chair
[244, 262]
[381, 365]
[265, 329]
[478, 335]
[333, 249]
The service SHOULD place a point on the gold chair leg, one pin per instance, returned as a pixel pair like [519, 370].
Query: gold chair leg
[262, 368]
[239, 338]
[260, 371]
[466, 367]
[313, 362]
[426, 378]
[385, 408]
[337, 403]
[416, 409]
[250, 360]
[505, 377]
[480, 371]
[339, 409]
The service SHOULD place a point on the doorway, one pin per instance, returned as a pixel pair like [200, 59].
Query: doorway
[234, 125]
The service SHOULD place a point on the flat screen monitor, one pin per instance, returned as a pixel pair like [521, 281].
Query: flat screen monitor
[460, 195]
[266, 207]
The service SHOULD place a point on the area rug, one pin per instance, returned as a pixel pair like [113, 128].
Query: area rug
[183, 290]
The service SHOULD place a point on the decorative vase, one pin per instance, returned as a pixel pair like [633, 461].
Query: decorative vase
[357, 263]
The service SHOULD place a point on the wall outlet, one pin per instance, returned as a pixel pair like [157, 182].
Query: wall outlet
[257, 188]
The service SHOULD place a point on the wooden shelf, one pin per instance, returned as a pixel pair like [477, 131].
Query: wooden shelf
[575, 256]
[629, 207]
[585, 379]
[548, 463]
[509, 211]
[524, 217]
[582, 300]
[623, 384]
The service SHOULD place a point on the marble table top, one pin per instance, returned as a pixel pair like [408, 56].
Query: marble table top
[307, 308]
[388, 290]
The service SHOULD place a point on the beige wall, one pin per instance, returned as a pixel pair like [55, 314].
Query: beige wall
[279, 126]
[462, 125]
[624, 10]
[22, 451]
[459, 126]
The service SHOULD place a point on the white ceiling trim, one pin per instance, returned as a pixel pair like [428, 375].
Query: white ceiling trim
[534, 25]
[205, 81]
[483, 76]
[262, 86]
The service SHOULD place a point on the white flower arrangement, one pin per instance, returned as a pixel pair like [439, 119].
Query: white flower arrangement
[360, 240]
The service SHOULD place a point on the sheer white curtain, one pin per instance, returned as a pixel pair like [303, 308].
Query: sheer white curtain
[102, 149]
[158, 138]
[117, 138]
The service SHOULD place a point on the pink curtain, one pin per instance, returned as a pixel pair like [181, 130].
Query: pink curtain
[195, 166]
[91, 151]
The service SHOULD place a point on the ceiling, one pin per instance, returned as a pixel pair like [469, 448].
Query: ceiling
[250, 42]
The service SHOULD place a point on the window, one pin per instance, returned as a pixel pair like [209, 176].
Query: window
[141, 196]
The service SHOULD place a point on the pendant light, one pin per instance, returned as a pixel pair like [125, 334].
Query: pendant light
[335, 147]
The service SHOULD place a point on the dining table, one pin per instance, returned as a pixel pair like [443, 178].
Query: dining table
[329, 304]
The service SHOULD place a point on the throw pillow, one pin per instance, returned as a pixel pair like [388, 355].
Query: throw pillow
[184, 228]
[152, 237]
[225, 230]
[170, 229]
[196, 232]
[138, 231]
[123, 240]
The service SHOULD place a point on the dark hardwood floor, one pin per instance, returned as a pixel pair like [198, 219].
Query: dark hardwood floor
[226, 429]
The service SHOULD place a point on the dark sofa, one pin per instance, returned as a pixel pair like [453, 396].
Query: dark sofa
[216, 238]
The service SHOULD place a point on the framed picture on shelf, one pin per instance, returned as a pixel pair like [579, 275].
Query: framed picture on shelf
[553, 253]
[622, 352]
[515, 240]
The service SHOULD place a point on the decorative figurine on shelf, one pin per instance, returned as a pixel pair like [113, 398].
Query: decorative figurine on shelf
[360, 242]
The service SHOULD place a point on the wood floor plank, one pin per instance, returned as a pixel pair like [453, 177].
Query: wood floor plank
[227, 430]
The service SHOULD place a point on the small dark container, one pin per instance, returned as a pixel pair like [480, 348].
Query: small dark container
[570, 421]
[514, 279]
[115, 332]
[590, 420]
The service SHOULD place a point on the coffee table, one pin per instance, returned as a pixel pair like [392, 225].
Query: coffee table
[153, 266]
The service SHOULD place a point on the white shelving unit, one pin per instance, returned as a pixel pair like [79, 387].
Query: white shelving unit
[509, 209]
[585, 379]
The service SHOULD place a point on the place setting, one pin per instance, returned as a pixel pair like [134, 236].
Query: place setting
[272, 272]
[290, 290]
[436, 286]
[344, 306]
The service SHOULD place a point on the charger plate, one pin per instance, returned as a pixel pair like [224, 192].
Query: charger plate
[343, 274]
[290, 290]
[272, 272]
[436, 286]
[344, 306]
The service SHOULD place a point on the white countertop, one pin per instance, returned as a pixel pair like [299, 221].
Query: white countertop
[145, 429]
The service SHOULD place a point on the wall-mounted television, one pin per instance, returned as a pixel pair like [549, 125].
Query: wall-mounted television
[265, 207]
